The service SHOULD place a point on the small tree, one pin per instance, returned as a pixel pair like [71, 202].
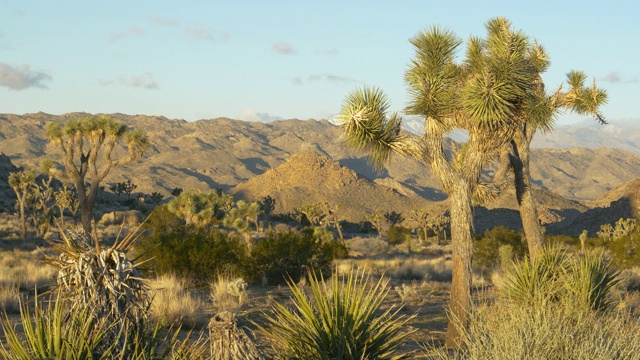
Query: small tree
[393, 218]
[375, 218]
[128, 187]
[87, 146]
[66, 200]
[22, 183]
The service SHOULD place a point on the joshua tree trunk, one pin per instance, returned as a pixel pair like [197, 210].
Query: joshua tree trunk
[462, 249]
[519, 160]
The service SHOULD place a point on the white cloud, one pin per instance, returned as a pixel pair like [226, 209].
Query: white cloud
[131, 31]
[330, 78]
[198, 33]
[250, 115]
[22, 77]
[144, 81]
[283, 48]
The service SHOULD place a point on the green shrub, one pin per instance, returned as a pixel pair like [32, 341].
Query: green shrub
[191, 252]
[340, 320]
[486, 252]
[283, 255]
[53, 330]
[397, 234]
[582, 281]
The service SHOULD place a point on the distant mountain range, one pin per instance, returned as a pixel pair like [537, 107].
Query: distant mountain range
[253, 159]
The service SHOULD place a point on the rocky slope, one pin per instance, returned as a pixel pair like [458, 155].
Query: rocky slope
[309, 177]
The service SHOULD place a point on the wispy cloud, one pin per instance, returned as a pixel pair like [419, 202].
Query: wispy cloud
[144, 81]
[198, 33]
[615, 77]
[283, 48]
[22, 77]
[131, 31]
[164, 21]
[250, 115]
[330, 78]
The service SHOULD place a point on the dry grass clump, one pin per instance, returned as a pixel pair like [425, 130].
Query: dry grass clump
[402, 267]
[25, 269]
[507, 330]
[9, 298]
[172, 303]
[368, 246]
[228, 293]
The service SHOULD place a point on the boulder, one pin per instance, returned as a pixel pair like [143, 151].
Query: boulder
[129, 218]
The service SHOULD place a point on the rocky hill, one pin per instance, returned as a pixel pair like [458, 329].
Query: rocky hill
[309, 177]
[621, 202]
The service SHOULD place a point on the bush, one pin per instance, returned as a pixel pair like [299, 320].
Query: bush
[577, 281]
[486, 254]
[397, 234]
[284, 255]
[340, 320]
[511, 331]
[192, 252]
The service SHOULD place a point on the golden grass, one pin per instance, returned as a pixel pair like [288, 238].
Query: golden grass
[228, 294]
[504, 330]
[9, 298]
[403, 267]
[174, 304]
[25, 269]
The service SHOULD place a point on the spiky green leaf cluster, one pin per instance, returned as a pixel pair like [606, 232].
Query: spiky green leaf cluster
[339, 320]
[368, 128]
[582, 281]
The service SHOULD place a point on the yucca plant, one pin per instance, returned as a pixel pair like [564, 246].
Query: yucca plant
[578, 281]
[589, 280]
[535, 280]
[102, 281]
[339, 320]
[52, 332]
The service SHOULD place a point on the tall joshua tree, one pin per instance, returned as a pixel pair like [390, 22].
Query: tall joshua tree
[580, 99]
[87, 146]
[486, 95]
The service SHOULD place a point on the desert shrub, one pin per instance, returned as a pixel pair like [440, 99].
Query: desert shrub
[283, 255]
[193, 252]
[505, 330]
[397, 234]
[339, 320]
[582, 281]
[368, 246]
[228, 293]
[486, 254]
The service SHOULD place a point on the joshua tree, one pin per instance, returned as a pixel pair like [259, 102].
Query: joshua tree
[540, 115]
[66, 199]
[201, 208]
[486, 95]
[87, 154]
[22, 182]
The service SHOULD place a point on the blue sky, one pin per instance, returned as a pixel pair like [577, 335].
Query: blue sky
[260, 60]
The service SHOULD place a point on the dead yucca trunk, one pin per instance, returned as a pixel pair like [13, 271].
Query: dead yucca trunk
[228, 342]
[104, 282]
